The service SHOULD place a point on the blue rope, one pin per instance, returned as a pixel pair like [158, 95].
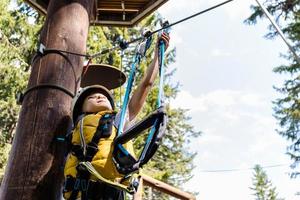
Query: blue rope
[136, 61]
[161, 74]
[159, 99]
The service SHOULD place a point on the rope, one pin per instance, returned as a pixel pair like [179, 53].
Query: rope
[22, 96]
[160, 98]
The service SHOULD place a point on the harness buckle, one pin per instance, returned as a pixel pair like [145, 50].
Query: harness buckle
[77, 184]
[91, 150]
[77, 150]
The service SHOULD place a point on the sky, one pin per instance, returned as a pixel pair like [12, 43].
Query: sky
[225, 72]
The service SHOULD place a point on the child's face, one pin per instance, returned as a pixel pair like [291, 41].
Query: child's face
[96, 102]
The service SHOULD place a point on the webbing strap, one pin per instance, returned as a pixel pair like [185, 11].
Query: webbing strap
[104, 128]
[136, 61]
[126, 163]
[140, 52]
[160, 101]
[130, 189]
[139, 127]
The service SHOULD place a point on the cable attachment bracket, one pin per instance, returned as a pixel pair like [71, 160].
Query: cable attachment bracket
[142, 47]
[41, 48]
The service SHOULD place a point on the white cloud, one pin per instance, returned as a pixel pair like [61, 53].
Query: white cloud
[217, 99]
[179, 7]
[238, 9]
[220, 53]
[238, 132]
[253, 100]
[210, 137]
[187, 101]
[176, 39]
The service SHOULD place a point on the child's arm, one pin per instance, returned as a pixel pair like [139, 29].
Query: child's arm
[139, 95]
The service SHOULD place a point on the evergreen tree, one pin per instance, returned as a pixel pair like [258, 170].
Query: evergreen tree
[262, 186]
[17, 41]
[287, 106]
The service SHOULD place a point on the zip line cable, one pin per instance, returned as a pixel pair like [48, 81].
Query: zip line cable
[244, 169]
[178, 22]
[278, 30]
[123, 44]
[192, 16]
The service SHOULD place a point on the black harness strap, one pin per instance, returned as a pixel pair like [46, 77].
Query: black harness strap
[104, 130]
[21, 96]
[139, 127]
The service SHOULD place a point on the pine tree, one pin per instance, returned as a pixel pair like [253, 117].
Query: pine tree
[287, 106]
[262, 186]
[17, 42]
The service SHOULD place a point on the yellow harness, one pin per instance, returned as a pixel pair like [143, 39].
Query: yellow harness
[101, 166]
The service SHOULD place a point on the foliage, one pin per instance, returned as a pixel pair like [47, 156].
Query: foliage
[287, 106]
[17, 41]
[262, 186]
[4, 151]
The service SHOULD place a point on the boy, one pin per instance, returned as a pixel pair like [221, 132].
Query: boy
[92, 139]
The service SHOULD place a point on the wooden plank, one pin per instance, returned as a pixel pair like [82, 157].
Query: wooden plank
[111, 12]
[167, 189]
[117, 10]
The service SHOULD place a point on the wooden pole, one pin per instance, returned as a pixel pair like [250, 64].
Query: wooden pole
[35, 167]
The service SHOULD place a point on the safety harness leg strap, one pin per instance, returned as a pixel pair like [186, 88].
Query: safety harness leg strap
[130, 189]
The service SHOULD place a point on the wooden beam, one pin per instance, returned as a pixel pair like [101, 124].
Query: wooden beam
[117, 10]
[152, 5]
[165, 188]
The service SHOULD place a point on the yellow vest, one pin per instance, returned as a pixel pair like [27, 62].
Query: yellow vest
[102, 161]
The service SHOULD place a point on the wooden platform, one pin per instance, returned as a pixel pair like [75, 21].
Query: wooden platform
[112, 12]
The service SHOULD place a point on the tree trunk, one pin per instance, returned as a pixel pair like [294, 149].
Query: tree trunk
[35, 167]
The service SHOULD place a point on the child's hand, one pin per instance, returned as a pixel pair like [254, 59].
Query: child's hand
[164, 38]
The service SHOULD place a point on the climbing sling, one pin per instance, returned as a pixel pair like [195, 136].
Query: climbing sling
[124, 161]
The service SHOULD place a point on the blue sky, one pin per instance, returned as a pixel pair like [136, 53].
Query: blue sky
[225, 71]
